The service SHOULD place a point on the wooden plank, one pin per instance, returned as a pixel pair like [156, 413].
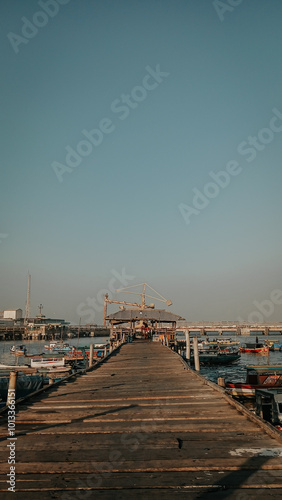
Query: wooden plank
[133, 453]
[182, 492]
[119, 464]
[228, 479]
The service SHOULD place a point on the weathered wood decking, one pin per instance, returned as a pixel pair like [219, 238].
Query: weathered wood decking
[139, 426]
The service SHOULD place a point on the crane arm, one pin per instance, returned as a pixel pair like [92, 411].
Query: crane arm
[122, 302]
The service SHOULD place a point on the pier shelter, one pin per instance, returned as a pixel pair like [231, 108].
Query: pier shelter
[143, 322]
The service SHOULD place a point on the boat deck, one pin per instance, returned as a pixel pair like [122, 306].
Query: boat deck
[141, 426]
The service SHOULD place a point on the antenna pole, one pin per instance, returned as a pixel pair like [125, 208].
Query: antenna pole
[27, 305]
[40, 307]
[105, 307]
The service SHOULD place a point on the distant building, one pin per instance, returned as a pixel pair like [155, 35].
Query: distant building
[14, 314]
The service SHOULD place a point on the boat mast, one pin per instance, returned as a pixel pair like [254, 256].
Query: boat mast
[27, 305]
[143, 303]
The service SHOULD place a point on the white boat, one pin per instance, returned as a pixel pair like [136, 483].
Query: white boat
[54, 371]
[46, 362]
[52, 344]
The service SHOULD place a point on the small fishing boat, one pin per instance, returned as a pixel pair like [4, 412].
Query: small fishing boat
[258, 377]
[217, 356]
[225, 342]
[63, 348]
[269, 406]
[84, 352]
[54, 373]
[52, 344]
[19, 350]
[275, 346]
[41, 362]
[258, 348]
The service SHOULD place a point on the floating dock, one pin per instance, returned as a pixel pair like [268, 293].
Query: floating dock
[140, 426]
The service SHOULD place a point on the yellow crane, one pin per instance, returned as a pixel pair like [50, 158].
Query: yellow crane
[143, 304]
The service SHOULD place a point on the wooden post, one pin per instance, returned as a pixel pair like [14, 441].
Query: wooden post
[188, 350]
[12, 385]
[221, 382]
[105, 351]
[196, 354]
[91, 355]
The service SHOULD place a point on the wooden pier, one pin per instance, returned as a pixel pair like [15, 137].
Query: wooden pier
[140, 426]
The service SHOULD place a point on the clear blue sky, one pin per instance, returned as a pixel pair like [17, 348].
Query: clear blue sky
[119, 208]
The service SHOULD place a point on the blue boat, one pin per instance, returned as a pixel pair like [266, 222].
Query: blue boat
[276, 346]
[66, 348]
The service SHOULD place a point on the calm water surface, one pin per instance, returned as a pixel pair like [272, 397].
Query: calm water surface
[235, 372]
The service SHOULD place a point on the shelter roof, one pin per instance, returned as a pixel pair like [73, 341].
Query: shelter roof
[160, 315]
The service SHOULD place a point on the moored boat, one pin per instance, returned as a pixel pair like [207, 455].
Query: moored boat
[19, 350]
[258, 348]
[41, 362]
[258, 377]
[84, 352]
[269, 406]
[52, 344]
[217, 356]
[275, 346]
[63, 348]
